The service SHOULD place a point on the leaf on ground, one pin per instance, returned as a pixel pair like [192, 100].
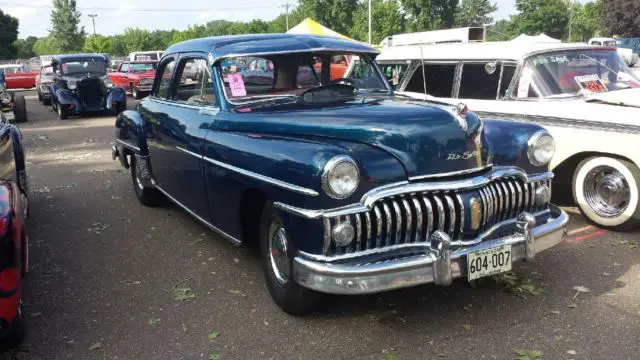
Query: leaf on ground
[237, 292]
[526, 354]
[391, 356]
[467, 326]
[154, 321]
[184, 293]
[214, 356]
[555, 312]
[516, 286]
[581, 289]
[572, 352]
[95, 346]
[213, 335]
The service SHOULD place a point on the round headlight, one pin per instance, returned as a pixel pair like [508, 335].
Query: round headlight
[108, 83]
[541, 148]
[71, 85]
[340, 177]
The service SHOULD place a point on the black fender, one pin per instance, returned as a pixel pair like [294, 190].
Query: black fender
[66, 97]
[115, 95]
[130, 135]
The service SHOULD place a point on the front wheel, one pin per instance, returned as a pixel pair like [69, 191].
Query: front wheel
[607, 192]
[277, 253]
[135, 93]
[63, 111]
[146, 195]
[16, 332]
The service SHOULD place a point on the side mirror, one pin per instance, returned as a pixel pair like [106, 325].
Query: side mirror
[490, 68]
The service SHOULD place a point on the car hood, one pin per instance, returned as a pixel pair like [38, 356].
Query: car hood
[626, 97]
[144, 74]
[426, 138]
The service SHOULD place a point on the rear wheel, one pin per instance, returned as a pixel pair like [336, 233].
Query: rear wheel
[20, 109]
[607, 192]
[277, 254]
[146, 195]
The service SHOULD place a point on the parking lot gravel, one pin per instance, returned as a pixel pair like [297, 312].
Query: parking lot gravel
[111, 279]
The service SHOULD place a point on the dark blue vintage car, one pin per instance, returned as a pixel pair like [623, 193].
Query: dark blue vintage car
[347, 189]
[80, 85]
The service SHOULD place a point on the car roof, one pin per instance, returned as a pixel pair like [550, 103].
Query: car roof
[268, 44]
[140, 61]
[7, 66]
[67, 57]
[493, 50]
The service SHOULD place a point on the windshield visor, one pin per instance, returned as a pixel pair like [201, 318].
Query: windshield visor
[574, 73]
[249, 78]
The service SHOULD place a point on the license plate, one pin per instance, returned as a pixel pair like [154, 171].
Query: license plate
[489, 262]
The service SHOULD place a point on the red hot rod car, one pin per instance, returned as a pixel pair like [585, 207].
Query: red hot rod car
[19, 76]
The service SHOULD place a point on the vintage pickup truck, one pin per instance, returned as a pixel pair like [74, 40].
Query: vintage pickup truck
[347, 189]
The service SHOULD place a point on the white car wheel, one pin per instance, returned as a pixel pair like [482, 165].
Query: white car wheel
[607, 192]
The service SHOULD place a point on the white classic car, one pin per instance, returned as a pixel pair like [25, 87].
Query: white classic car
[584, 95]
[627, 55]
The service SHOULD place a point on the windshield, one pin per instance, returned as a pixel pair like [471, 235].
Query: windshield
[143, 67]
[574, 73]
[91, 65]
[249, 78]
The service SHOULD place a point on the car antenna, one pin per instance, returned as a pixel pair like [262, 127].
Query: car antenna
[424, 79]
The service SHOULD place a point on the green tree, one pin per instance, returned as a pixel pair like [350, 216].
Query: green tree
[542, 16]
[65, 26]
[118, 45]
[334, 14]
[585, 21]
[161, 39]
[24, 47]
[386, 20]
[97, 44]
[502, 30]
[620, 17]
[8, 34]
[475, 13]
[423, 15]
[192, 32]
[46, 46]
[137, 40]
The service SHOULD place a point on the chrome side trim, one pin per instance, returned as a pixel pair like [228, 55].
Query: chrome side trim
[127, 144]
[452, 173]
[272, 181]
[205, 222]
[423, 246]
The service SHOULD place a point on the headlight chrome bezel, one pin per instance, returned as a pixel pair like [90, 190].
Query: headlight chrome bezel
[329, 167]
[532, 146]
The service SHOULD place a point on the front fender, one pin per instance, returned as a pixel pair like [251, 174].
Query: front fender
[66, 97]
[508, 141]
[131, 133]
[116, 95]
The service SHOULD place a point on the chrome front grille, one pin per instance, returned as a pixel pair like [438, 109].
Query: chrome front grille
[413, 217]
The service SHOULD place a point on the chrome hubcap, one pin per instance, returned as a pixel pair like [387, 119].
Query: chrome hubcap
[278, 255]
[606, 191]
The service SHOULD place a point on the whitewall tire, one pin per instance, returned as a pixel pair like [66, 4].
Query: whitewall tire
[606, 191]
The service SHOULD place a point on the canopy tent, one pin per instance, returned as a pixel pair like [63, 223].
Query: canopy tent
[312, 27]
[540, 38]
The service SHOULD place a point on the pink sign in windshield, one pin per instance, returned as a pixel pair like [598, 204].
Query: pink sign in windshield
[236, 83]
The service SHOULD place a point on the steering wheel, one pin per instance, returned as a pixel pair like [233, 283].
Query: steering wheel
[346, 81]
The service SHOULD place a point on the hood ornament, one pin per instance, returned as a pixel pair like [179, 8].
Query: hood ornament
[460, 111]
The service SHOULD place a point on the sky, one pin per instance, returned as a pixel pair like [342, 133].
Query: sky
[116, 15]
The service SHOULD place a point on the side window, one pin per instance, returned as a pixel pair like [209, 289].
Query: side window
[195, 86]
[309, 71]
[124, 68]
[480, 81]
[365, 75]
[439, 80]
[164, 81]
[394, 72]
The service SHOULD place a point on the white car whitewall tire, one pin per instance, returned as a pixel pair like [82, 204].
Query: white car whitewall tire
[623, 173]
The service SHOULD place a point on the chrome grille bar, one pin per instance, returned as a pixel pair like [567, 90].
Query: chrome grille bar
[408, 228]
[440, 209]
[387, 215]
[416, 205]
[452, 215]
[367, 221]
[358, 232]
[461, 204]
[398, 214]
[513, 203]
[376, 210]
[429, 209]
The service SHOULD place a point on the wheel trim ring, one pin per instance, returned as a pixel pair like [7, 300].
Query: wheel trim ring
[278, 254]
[601, 177]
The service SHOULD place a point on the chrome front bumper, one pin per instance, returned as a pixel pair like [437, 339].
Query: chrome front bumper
[438, 266]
